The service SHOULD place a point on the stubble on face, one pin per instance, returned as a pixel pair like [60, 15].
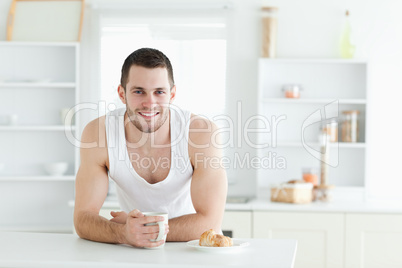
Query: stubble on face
[148, 126]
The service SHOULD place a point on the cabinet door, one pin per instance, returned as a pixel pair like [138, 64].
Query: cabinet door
[319, 235]
[373, 240]
[237, 224]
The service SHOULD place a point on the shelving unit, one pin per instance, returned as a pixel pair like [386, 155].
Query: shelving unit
[313, 101]
[36, 128]
[35, 84]
[37, 178]
[37, 81]
[330, 86]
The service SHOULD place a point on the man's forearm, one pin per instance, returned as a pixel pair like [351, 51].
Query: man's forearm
[190, 227]
[93, 227]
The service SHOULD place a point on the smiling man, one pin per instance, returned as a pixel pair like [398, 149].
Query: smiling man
[157, 154]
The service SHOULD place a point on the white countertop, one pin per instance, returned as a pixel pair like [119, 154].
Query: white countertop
[338, 205]
[19, 249]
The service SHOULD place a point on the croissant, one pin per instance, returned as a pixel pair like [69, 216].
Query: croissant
[211, 239]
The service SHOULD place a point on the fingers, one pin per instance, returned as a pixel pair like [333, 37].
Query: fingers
[118, 217]
[139, 230]
[114, 220]
[150, 244]
[136, 213]
[153, 229]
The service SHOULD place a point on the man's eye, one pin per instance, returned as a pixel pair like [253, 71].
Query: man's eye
[160, 92]
[137, 91]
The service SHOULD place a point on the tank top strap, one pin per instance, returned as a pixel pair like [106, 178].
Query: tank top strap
[179, 131]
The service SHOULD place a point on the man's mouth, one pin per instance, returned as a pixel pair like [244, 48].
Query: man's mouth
[148, 115]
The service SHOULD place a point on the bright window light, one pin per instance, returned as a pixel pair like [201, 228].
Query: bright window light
[197, 52]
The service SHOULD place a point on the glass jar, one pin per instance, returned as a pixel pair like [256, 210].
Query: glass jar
[310, 175]
[292, 91]
[350, 126]
[331, 129]
[269, 25]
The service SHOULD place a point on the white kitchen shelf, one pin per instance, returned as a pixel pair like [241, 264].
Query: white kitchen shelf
[37, 85]
[316, 60]
[330, 86]
[37, 128]
[351, 145]
[33, 44]
[38, 81]
[37, 178]
[312, 101]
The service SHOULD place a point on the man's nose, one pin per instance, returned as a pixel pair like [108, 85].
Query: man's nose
[149, 101]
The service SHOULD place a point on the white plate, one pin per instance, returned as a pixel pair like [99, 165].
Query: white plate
[237, 244]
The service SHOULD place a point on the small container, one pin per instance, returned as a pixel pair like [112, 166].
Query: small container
[269, 27]
[350, 126]
[292, 91]
[324, 192]
[310, 175]
[331, 129]
[292, 192]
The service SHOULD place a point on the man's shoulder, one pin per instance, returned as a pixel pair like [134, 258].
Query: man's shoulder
[94, 129]
[202, 133]
[198, 122]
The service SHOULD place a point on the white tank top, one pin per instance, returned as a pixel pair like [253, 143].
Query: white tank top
[172, 195]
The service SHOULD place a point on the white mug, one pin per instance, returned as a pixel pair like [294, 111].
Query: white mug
[161, 224]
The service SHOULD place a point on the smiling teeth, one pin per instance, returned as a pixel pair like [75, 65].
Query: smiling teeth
[149, 114]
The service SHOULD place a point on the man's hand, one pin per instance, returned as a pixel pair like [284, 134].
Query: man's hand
[136, 233]
[118, 217]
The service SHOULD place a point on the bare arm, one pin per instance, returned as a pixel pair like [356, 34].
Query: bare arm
[91, 190]
[208, 186]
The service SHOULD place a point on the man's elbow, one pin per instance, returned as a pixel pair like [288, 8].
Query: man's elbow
[211, 221]
[79, 219]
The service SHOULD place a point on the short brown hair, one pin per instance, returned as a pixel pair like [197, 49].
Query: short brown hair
[148, 58]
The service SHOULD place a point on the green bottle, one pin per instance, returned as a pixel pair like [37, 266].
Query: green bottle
[347, 46]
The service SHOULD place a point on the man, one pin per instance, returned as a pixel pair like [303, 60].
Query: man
[160, 158]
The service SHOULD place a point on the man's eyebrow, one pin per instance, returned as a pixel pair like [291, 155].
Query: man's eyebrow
[135, 87]
[141, 88]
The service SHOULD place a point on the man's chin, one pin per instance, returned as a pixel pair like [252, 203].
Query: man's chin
[146, 129]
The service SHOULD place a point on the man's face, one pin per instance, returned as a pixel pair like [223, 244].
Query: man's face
[147, 97]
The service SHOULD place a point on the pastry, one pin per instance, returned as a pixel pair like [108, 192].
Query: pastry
[211, 239]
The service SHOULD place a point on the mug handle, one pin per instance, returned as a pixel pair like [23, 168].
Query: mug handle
[161, 230]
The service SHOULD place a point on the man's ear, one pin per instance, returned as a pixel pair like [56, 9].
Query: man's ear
[172, 94]
[122, 94]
